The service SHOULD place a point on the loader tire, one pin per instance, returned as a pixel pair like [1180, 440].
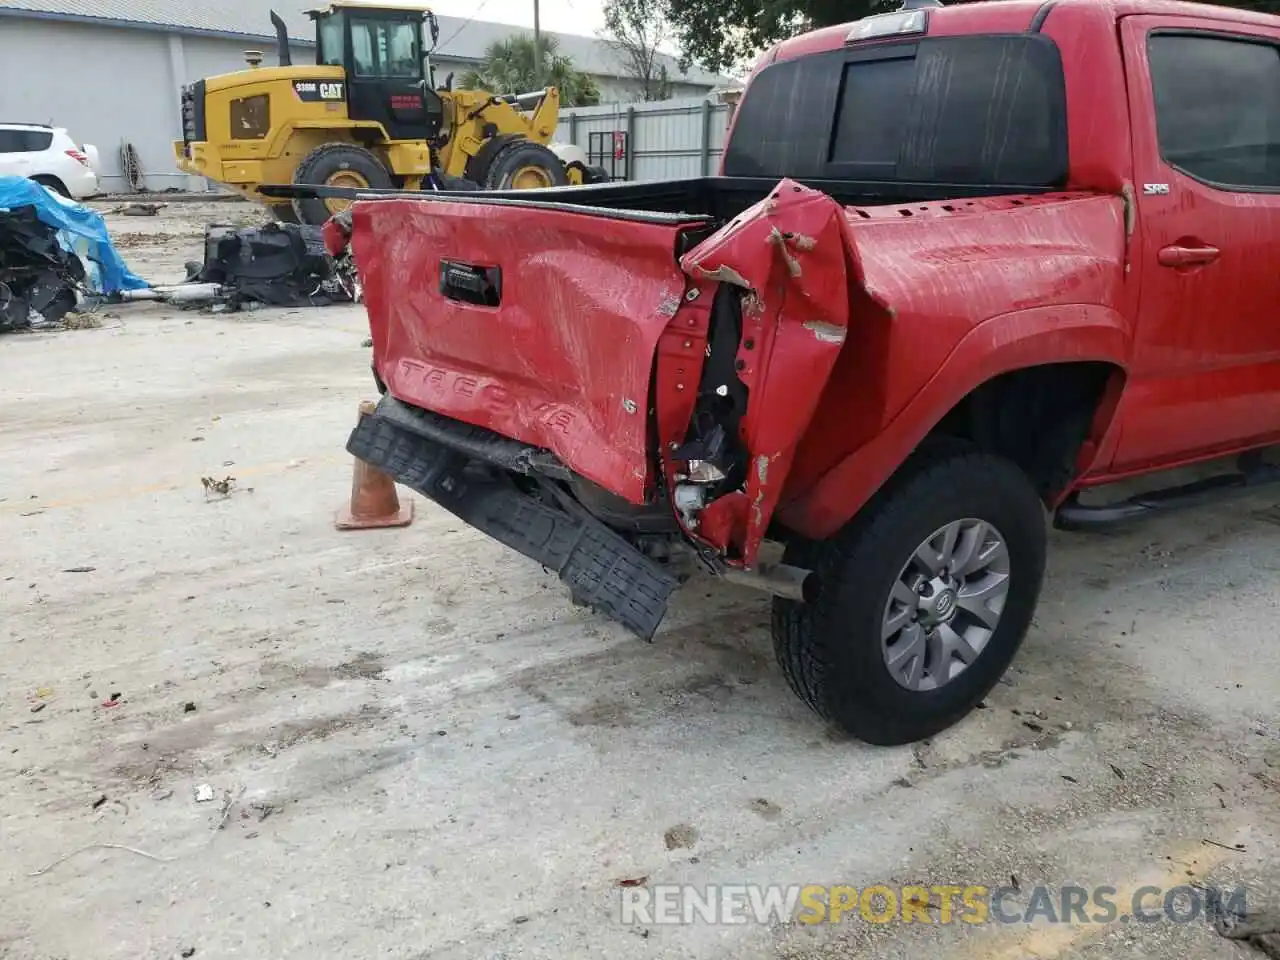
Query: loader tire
[337, 165]
[524, 165]
[882, 653]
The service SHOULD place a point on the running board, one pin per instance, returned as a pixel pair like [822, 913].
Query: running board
[1252, 473]
[602, 570]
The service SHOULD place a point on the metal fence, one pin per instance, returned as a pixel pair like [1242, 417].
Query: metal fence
[649, 141]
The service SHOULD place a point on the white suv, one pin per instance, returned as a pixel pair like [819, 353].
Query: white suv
[50, 157]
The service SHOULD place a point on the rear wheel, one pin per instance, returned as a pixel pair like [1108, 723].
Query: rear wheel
[524, 165]
[925, 599]
[337, 165]
[54, 184]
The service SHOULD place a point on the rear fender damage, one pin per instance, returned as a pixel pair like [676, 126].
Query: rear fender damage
[768, 317]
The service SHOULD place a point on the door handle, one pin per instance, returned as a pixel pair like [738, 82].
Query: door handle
[1180, 256]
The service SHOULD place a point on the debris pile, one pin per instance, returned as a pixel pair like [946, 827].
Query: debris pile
[278, 264]
[56, 255]
[51, 251]
[38, 278]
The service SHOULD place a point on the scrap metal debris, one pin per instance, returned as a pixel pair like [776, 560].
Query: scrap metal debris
[336, 236]
[279, 264]
[52, 252]
[38, 277]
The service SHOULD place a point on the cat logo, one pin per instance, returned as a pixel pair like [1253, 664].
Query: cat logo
[315, 91]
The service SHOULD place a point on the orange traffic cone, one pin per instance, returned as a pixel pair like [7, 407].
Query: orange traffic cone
[374, 502]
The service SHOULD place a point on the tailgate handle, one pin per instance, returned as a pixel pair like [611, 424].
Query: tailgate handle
[471, 283]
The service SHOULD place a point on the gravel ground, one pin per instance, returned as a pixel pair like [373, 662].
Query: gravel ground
[417, 747]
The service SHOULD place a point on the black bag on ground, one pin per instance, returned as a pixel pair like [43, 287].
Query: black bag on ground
[282, 264]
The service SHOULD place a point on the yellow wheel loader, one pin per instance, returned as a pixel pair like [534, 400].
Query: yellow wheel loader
[367, 114]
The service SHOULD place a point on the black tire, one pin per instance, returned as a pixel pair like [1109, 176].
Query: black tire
[518, 155]
[831, 651]
[327, 161]
[54, 184]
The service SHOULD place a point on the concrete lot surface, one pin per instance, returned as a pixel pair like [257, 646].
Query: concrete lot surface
[417, 747]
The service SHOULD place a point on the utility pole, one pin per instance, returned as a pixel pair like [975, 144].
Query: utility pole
[537, 47]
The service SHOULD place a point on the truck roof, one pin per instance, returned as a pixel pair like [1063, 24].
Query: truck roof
[1016, 16]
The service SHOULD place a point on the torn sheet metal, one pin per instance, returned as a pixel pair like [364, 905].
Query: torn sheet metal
[789, 256]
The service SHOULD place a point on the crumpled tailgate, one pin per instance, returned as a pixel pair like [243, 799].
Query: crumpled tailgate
[538, 323]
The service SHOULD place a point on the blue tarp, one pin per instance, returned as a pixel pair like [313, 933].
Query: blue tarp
[80, 230]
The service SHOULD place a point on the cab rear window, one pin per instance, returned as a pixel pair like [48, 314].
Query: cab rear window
[964, 110]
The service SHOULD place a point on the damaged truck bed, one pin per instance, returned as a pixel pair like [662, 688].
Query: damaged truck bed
[479, 372]
[912, 315]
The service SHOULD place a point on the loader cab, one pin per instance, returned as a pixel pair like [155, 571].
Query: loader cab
[385, 53]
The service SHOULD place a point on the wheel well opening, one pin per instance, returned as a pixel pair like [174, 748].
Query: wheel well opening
[1038, 417]
[49, 180]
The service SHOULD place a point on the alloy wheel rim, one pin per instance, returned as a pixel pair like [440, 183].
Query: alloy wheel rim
[530, 178]
[945, 604]
[343, 178]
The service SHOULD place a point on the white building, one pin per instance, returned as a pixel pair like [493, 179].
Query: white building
[110, 71]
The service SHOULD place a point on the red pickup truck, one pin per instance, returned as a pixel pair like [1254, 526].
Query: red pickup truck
[961, 265]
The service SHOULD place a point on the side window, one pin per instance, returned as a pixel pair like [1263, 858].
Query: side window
[386, 49]
[37, 140]
[25, 141]
[331, 52]
[400, 56]
[1217, 107]
[363, 44]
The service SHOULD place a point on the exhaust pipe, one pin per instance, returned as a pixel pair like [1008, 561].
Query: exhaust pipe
[282, 40]
[525, 101]
[779, 579]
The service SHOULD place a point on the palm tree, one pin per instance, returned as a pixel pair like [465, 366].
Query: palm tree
[509, 68]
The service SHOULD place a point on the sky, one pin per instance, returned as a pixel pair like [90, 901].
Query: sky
[583, 17]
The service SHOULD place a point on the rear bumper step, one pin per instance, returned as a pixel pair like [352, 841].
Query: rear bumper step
[602, 570]
[476, 442]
